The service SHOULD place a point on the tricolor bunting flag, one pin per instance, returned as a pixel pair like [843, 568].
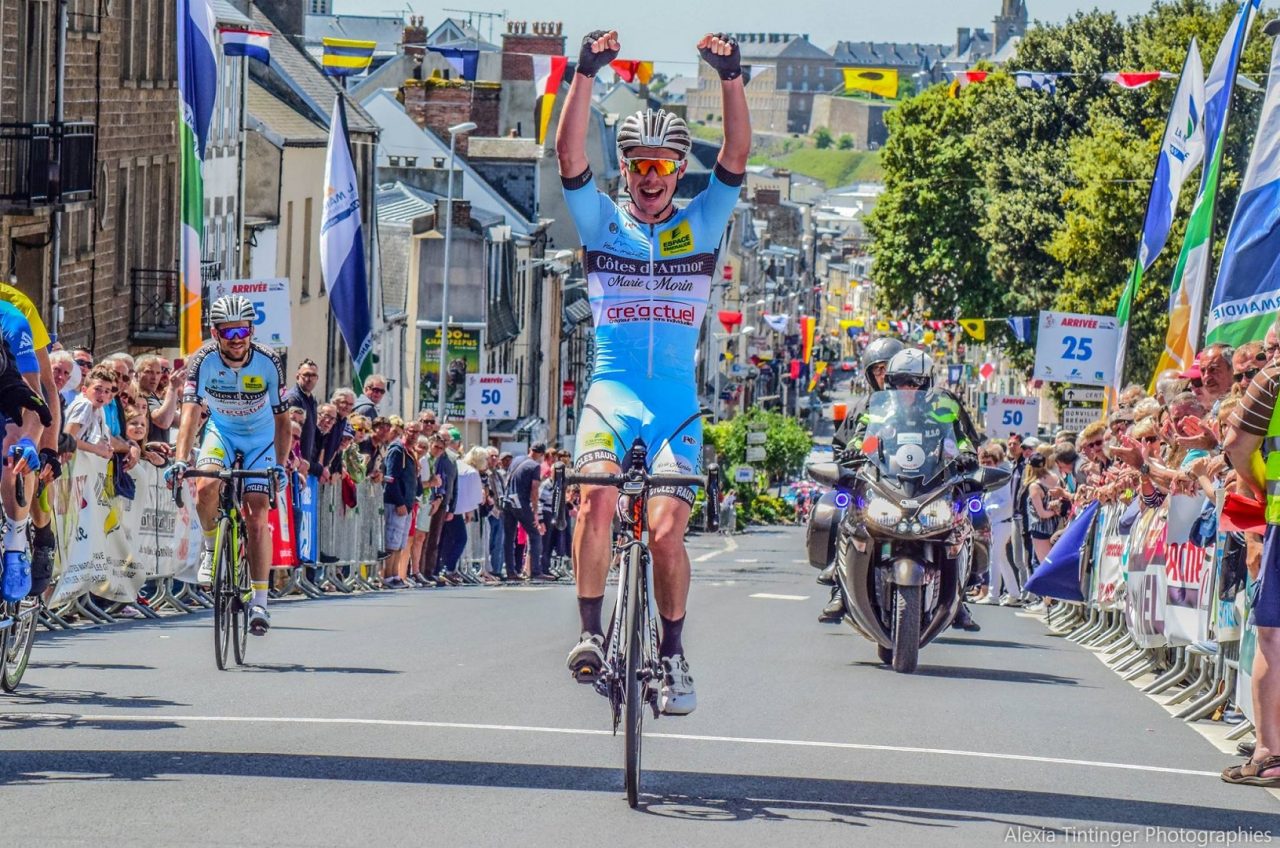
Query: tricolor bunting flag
[464, 62]
[1247, 294]
[630, 70]
[1181, 153]
[1191, 276]
[342, 249]
[1037, 81]
[256, 44]
[197, 93]
[548, 72]
[1137, 79]
[964, 79]
[874, 80]
[344, 56]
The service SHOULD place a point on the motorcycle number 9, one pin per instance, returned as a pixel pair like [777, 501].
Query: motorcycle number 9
[909, 457]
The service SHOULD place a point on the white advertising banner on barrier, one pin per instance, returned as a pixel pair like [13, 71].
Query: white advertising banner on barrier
[270, 299]
[1078, 349]
[1010, 414]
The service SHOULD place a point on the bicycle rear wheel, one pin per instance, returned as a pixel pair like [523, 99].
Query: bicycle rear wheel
[17, 647]
[240, 605]
[223, 595]
[633, 688]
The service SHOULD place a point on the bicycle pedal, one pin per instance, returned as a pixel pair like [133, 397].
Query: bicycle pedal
[586, 674]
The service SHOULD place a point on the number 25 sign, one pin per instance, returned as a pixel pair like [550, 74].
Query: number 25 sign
[1076, 348]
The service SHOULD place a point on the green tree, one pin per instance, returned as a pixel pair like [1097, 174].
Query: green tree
[822, 138]
[845, 142]
[787, 443]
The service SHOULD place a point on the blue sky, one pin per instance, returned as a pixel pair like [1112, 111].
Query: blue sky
[667, 32]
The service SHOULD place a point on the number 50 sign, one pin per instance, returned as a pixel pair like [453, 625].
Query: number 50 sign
[1076, 348]
[1009, 414]
[491, 397]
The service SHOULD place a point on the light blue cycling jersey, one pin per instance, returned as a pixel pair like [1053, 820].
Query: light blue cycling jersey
[244, 401]
[649, 283]
[17, 334]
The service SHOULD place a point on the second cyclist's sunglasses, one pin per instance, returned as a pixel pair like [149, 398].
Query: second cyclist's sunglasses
[233, 333]
[664, 167]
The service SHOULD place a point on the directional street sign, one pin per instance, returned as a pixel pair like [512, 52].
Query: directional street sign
[1075, 394]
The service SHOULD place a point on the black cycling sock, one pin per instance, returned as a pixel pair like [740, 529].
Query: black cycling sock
[44, 537]
[670, 645]
[589, 612]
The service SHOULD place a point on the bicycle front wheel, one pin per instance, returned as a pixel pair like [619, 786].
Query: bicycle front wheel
[634, 687]
[240, 604]
[17, 647]
[223, 595]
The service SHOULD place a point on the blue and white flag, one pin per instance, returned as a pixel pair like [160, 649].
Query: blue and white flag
[256, 44]
[1059, 575]
[1247, 294]
[1021, 328]
[342, 248]
[463, 61]
[1037, 81]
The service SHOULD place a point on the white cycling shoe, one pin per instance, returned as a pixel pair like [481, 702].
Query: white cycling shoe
[259, 620]
[677, 696]
[204, 574]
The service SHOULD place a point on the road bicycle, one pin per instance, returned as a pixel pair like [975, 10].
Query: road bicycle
[18, 621]
[632, 672]
[231, 587]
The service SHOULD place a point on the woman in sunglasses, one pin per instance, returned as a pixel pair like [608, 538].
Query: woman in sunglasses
[649, 268]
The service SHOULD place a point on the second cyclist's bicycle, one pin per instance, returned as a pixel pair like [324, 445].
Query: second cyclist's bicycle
[231, 586]
[632, 672]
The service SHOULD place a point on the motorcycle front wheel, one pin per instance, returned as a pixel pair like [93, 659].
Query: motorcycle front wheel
[906, 628]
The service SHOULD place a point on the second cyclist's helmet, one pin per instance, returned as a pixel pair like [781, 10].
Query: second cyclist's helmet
[229, 308]
[879, 351]
[654, 128]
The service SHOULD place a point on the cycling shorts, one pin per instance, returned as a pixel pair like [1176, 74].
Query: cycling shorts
[666, 417]
[220, 450]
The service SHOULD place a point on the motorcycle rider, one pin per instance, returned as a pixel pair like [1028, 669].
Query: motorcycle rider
[875, 361]
[910, 372]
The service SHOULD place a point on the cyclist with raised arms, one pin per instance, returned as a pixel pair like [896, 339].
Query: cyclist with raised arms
[240, 382]
[649, 270]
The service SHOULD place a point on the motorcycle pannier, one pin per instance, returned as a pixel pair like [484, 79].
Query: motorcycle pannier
[824, 520]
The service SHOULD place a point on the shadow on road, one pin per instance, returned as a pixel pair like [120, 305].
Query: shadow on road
[689, 795]
[984, 643]
[39, 696]
[317, 669]
[93, 666]
[999, 675]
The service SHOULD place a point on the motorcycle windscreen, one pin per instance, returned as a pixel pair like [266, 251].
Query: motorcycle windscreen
[911, 435]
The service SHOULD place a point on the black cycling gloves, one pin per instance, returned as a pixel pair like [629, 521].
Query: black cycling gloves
[728, 67]
[591, 63]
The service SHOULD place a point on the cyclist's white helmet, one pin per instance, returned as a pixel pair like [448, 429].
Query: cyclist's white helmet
[232, 307]
[654, 128]
[910, 367]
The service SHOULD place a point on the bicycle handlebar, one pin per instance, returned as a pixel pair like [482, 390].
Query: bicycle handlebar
[226, 475]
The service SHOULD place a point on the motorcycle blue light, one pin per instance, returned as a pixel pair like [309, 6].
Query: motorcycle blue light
[842, 500]
[975, 504]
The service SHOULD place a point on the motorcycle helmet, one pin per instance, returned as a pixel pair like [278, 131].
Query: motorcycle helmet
[910, 369]
[879, 351]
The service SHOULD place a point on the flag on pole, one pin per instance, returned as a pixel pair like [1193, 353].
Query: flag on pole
[1181, 153]
[197, 92]
[344, 56]
[1137, 79]
[875, 80]
[1059, 575]
[818, 367]
[256, 44]
[976, 327]
[1186, 295]
[464, 62]
[1037, 81]
[632, 69]
[1245, 297]
[807, 328]
[1021, 329]
[964, 79]
[342, 248]
[548, 71]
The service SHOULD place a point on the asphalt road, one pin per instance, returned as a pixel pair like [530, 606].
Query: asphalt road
[446, 717]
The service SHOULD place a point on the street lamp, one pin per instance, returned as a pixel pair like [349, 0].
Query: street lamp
[454, 131]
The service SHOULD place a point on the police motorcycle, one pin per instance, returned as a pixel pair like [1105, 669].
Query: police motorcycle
[900, 524]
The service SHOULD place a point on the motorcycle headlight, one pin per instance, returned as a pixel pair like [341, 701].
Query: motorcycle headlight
[883, 511]
[936, 515]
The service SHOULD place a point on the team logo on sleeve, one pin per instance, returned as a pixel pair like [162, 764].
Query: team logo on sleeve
[254, 383]
[677, 240]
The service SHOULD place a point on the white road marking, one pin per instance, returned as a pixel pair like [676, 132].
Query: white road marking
[746, 560]
[799, 562]
[577, 731]
[730, 545]
[767, 596]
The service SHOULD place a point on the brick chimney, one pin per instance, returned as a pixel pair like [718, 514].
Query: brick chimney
[461, 213]
[540, 38]
[414, 39]
[436, 104]
[768, 197]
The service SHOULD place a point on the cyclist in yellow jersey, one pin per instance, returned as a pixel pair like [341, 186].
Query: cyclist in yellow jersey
[50, 467]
